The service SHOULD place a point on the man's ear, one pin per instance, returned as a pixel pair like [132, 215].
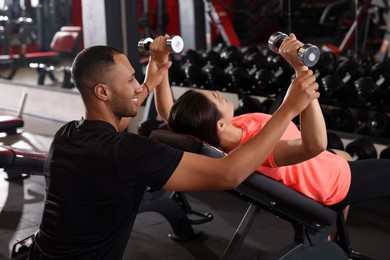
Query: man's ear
[101, 91]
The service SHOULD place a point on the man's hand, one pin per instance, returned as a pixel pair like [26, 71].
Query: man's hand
[158, 50]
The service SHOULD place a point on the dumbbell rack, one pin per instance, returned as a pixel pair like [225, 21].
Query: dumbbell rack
[233, 65]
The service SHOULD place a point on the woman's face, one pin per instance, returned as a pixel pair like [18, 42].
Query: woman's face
[225, 106]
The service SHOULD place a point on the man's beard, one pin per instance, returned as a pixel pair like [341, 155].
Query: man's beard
[122, 107]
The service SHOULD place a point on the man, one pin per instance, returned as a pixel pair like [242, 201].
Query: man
[96, 173]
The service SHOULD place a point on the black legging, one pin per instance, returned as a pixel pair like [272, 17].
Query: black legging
[370, 179]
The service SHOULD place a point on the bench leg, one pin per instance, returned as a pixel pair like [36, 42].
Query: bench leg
[241, 232]
[177, 218]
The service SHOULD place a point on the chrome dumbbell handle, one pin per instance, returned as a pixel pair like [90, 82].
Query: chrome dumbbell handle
[308, 54]
[174, 43]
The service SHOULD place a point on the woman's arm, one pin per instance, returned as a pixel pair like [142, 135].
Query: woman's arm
[312, 124]
[196, 172]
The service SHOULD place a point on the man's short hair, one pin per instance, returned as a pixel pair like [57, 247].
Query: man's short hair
[92, 66]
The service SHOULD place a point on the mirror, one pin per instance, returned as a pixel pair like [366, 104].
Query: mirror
[38, 41]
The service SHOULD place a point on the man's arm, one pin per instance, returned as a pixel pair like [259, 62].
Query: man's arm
[196, 172]
[163, 98]
[156, 73]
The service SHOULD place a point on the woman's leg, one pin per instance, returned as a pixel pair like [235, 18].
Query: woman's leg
[370, 179]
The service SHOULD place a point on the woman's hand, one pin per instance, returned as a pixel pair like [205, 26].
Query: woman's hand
[301, 92]
[289, 51]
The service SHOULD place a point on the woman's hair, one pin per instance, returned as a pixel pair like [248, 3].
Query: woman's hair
[93, 66]
[194, 114]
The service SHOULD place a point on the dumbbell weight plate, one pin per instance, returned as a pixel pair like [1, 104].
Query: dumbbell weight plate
[275, 40]
[334, 141]
[308, 54]
[361, 148]
[385, 154]
[349, 71]
[367, 91]
[175, 43]
[379, 125]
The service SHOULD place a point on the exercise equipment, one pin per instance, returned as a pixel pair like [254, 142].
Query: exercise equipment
[254, 59]
[248, 104]
[312, 221]
[349, 70]
[174, 44]
[341, 119]
[378, 125]
[385, 153]
[177, 77]
[334, 141]
[338, 87]
[326, 65]
[21, 163]
[367, 13]
[11, 124]
[380, 74]
[266, 83]
[231, 56]
[211, 57]
[217, 79]
[215, 14]
[368, 92]
[361, 148]
[66, 42]
[195, 76]
[308, 54]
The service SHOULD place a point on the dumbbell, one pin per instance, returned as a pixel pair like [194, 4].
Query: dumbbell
[174, 43]
[385, 154]
[217, 78]
[378, 125]
[361, 148]
[349, 71]
[339, 85]
[367, 92]
[231, 56]
[248, 104]
[308, 54]
[326, 65]
[341, 119]
[380, 74]
[334, 141]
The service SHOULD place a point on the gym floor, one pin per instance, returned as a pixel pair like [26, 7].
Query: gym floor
[21, 204]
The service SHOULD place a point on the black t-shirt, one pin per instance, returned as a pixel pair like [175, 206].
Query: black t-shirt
[95, 179]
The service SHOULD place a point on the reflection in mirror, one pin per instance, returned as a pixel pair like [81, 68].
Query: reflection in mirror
[38, 41]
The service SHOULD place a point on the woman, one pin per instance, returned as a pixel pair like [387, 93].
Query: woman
[299, 160]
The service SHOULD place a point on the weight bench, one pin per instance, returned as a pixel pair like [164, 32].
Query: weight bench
[312, 221]
[10, 124]
[66, 41]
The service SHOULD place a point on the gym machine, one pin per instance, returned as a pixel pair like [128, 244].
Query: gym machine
[11, 124]
[197, 19]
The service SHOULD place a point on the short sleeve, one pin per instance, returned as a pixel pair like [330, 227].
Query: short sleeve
[142, 161]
